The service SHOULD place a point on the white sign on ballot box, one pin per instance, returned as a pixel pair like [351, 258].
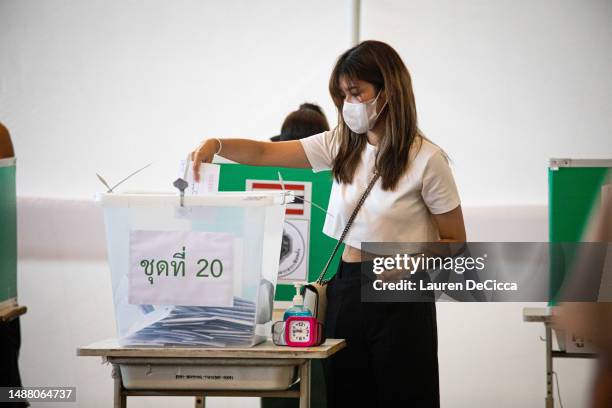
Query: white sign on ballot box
[185, 268]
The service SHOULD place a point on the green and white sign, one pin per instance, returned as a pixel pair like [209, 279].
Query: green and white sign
[298, 260]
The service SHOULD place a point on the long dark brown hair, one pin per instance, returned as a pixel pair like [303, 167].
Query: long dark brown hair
[379, 64]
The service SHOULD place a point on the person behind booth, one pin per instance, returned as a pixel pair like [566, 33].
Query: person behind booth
[391, 357]
[308, 120]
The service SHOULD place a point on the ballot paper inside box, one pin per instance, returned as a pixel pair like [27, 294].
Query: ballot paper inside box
[201, 274]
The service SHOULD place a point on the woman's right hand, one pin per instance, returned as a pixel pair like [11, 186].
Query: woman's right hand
[250, 152]
[204, 154]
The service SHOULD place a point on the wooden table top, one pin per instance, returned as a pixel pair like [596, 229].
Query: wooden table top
[537, 314]
[112, 348]
[12, 312]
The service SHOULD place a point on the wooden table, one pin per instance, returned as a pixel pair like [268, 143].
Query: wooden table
[12, 312]
[264, 354]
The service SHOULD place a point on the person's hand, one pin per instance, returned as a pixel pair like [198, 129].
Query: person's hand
[204, 154]
[394, 275]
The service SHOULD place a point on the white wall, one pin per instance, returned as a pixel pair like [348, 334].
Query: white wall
[106, 86]
[504, 85]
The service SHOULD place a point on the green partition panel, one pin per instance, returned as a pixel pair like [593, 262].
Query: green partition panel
[574, 187]
[233, 177]
[8, 231]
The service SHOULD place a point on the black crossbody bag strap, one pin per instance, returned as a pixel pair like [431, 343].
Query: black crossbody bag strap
[321, 279]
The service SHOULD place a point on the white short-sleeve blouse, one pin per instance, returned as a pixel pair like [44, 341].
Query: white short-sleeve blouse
[401, 215]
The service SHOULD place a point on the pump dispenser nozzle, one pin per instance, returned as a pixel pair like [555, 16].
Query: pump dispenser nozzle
[298, 300]
[297, 309]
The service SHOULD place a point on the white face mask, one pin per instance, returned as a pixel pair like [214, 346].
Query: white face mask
[360, 117]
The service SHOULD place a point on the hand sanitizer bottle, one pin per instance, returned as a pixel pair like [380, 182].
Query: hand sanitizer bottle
[298, 308]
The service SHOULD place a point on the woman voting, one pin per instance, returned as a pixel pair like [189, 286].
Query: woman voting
[391, 354]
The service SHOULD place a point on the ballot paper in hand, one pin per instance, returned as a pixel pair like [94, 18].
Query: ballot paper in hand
[209, 178]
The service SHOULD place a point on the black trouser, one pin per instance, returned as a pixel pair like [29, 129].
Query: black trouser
[391, 358]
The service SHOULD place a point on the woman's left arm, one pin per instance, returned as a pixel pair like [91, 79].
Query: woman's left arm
[440, 195]
[450, 226]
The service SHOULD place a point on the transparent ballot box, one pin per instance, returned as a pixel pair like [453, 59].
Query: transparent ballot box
[198, 274]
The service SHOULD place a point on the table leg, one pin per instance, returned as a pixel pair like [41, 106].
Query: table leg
[550, 403]
[305, 384]
[119, 399]
[200, 401]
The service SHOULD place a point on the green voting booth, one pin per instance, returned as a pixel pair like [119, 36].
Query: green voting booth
[305, 247]
[575, 190]
[8, 234]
